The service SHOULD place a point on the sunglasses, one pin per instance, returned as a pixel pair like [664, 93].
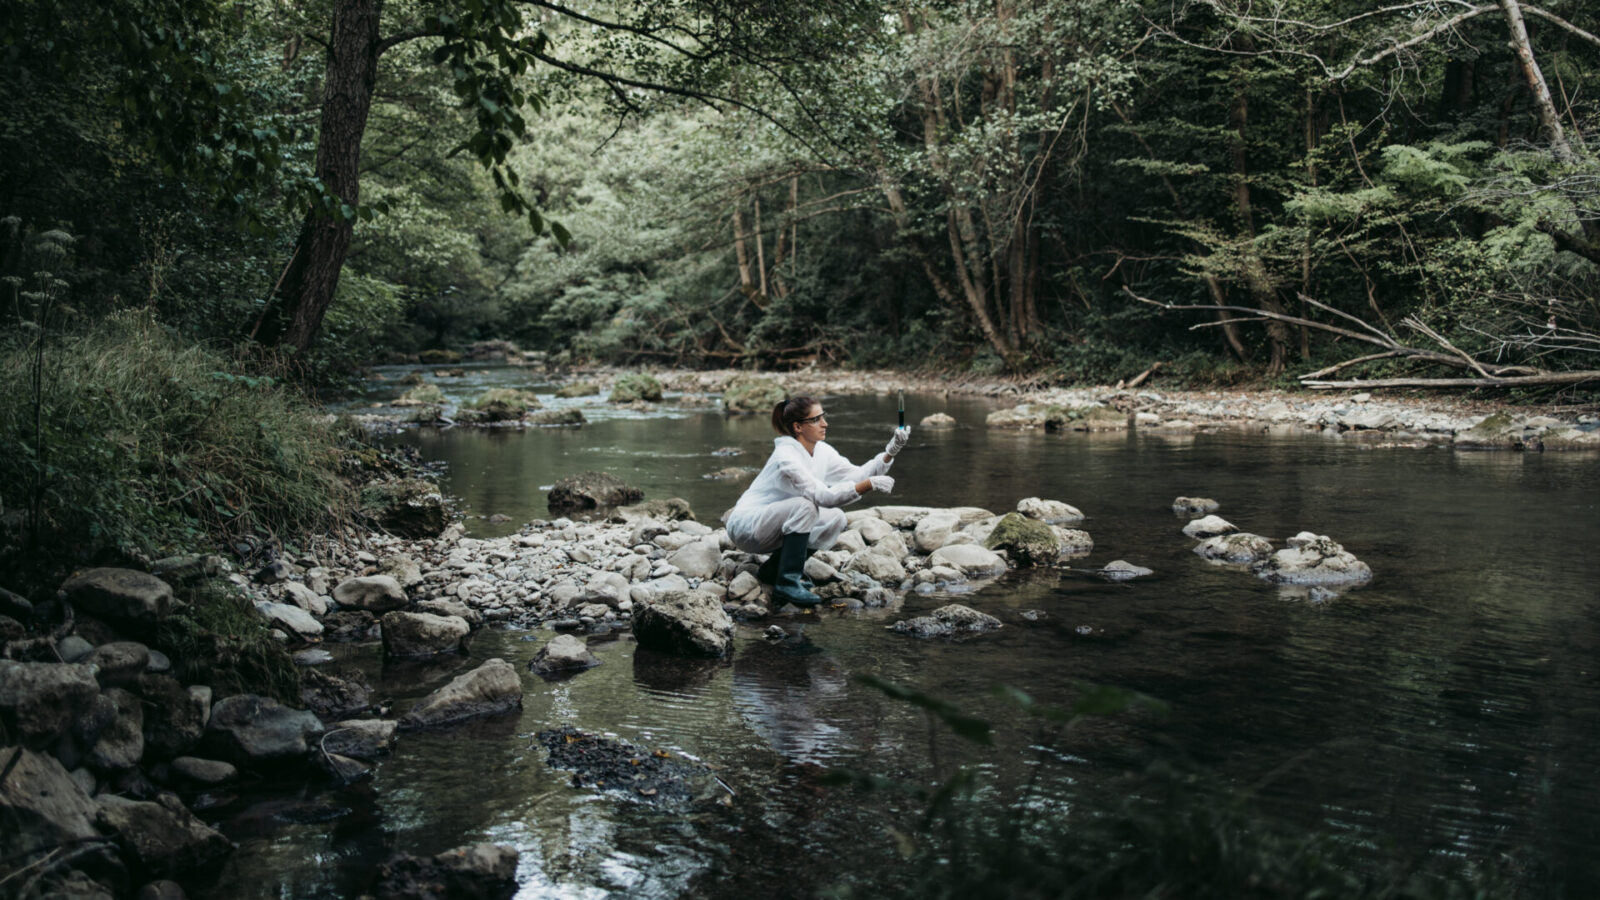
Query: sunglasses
[813, 420]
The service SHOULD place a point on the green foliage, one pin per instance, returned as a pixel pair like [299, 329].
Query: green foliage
[634, 387]
[142, 444]
[216, 637]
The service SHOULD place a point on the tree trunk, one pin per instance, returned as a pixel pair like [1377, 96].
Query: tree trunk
[1255, 272]
[296, 314]
[1536, 83]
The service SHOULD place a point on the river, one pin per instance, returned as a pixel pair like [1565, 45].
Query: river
[1447, 709]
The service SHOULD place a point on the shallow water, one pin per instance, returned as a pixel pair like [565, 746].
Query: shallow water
[1448, 707]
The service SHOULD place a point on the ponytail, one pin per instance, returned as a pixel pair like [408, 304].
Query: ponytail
[788, 412]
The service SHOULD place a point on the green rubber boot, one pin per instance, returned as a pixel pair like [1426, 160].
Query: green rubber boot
[791, 579]
[768, 573]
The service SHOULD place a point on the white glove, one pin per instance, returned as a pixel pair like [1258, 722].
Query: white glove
[883, 484]
[898, 442]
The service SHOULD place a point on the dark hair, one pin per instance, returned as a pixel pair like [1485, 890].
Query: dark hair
[790, 411]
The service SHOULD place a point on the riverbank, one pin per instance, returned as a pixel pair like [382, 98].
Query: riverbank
[1410, 418]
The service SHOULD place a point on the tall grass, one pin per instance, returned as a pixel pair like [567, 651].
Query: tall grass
[137, 443]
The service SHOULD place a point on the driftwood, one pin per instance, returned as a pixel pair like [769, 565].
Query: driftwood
[1486, 374]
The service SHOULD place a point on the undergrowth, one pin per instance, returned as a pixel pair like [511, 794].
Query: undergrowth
[128, 443]
[215, 636]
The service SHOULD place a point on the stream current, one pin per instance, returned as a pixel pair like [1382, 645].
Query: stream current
[1450, 707]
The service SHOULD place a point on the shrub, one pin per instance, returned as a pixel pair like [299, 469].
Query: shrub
[138, 444]
[638, 386]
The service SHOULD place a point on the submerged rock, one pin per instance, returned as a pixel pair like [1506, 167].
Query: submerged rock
[563, 654]
[947, 620]
[1312, 559]
[1122, 570]
[1195, 506]
[490, 689]
[476, 872]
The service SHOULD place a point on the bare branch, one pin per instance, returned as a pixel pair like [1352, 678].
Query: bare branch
[1421, 38]
[1562, 23]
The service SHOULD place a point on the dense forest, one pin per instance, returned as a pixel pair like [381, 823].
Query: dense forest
[1232, 190]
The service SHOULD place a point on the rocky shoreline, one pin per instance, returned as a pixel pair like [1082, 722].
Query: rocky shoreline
[111, 744]
[1399, 420]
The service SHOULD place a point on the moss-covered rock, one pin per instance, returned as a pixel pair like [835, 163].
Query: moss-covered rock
[439, 357]
[752, 394]
[503, 404]
[592, 490]
[578, 389]
[557, 417]
[421, 395]
[1500, 430]
[1028, 542]
[638, 386]
[409, 508]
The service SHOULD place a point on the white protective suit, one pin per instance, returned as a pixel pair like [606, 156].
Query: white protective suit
[799, 492]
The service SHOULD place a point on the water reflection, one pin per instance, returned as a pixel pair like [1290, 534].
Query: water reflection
[789, 692]
[1450, 705]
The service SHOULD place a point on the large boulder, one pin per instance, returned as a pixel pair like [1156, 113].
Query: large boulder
[412, 634]
[968, 559]
[476, 872]
[124, 597]
[1239, 547]
[592, 490]
[1312, 559]
[160, 838]
[1028, 542]
[635, 387]
[41, 807]
[373, 593]
[490, 689]
[947, 620]
[409, 508]
[752, 394]
[686, 623]
[563, 654]
[39, 702]
[697, 559]
[251, 730]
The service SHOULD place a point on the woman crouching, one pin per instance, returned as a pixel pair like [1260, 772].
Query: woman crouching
[792, 507]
